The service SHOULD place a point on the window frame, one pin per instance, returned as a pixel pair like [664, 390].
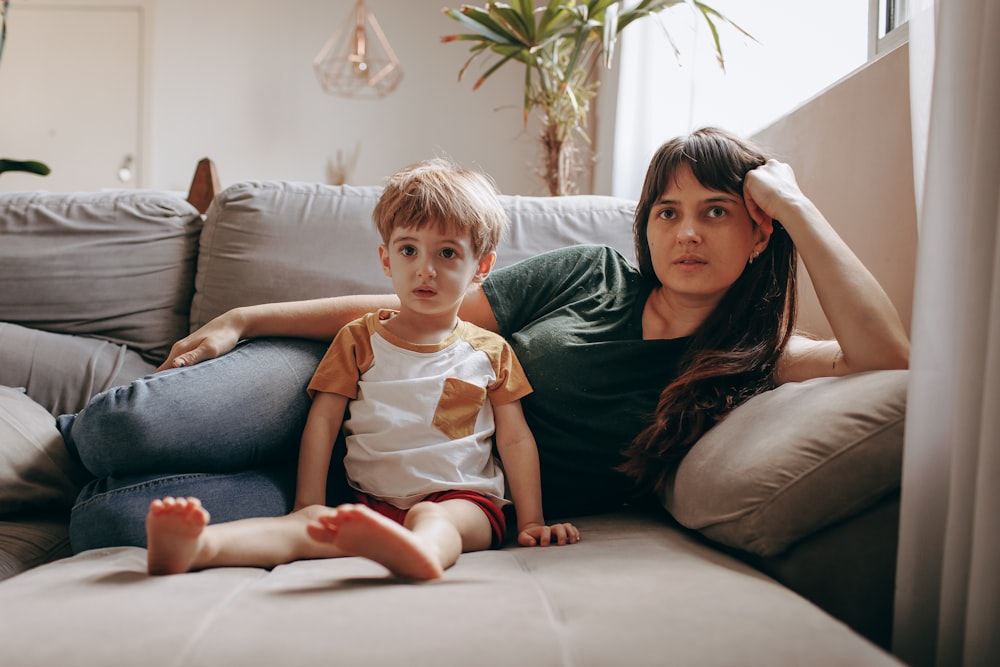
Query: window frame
[885, 38]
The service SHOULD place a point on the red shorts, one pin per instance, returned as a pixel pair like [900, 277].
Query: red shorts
[498, 523]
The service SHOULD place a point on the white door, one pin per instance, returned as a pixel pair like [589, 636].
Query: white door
[70, 96]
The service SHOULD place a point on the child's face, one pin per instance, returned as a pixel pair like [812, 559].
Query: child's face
[432, 267]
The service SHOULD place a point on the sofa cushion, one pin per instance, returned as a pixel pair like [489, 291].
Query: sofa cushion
[60, 371]
[116, 265]
[793, 460]
[539, 224]
[268, 241]
[35, 467]
[635, 591]
[278, 241]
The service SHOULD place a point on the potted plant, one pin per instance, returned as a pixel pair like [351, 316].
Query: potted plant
[559, 44]
[31, 166]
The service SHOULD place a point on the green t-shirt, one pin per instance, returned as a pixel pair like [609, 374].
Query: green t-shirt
[574, 318]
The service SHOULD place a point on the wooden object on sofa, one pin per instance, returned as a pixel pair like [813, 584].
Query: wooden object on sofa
[204, 185]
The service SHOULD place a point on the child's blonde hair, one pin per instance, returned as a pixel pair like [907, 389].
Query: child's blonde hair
[440, 192]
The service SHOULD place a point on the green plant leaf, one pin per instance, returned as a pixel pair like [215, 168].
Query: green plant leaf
[500, 63]
[480, 22]
[555, 19]
[477, 51]
[715, 39]
[597, 8]
[609, 34]
[516, 23]
[644, 9]
[30, 166]
[511, 25]
[707, 12]
[560, 45]
[526, 9]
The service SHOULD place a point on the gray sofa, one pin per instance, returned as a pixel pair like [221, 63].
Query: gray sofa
[775, 544]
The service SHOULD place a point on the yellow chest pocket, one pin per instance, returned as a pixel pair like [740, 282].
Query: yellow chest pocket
[458, 408]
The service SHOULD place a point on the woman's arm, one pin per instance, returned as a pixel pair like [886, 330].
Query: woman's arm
[317, 319]
[869, 334]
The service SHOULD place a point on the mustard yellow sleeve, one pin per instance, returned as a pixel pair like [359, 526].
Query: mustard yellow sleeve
[511, 383]
[348, 356]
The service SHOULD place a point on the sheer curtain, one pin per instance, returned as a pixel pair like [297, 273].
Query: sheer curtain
[647, 111]
[948, 579]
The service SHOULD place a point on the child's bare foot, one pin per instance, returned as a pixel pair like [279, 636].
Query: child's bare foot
[173, 532]
[360, 531]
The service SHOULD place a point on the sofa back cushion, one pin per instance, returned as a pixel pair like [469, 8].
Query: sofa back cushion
[116, 265]
[268, 241]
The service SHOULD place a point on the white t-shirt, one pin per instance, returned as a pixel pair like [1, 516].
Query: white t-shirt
[419, 421]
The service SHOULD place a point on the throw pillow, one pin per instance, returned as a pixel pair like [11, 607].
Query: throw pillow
[793, 460]
[35, 467]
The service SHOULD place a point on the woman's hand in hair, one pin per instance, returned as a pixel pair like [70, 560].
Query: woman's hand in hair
[868, 331]
[769, 191]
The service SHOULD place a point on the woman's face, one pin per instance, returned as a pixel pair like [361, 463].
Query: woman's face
[699, 239]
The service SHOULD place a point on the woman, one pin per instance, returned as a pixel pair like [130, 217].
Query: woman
[629, 365]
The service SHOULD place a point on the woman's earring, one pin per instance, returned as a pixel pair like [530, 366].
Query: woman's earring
[754, 255]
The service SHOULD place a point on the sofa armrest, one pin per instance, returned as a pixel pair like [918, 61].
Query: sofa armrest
[204, 185]
[793, 460]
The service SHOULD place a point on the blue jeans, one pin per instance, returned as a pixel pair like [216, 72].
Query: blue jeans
[225, 430]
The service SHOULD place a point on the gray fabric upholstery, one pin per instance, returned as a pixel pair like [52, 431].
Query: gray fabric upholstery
[273, 241]
[31, 539]
[89, 282]
[63, 371]
[633, 592]
[794, 460]
[117, 265]
[267, 241]
[35, 467]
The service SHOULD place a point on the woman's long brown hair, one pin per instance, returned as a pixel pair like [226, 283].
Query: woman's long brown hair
[733, 355]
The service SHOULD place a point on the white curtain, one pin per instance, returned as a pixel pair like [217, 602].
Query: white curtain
[948, 580]
[648, 108]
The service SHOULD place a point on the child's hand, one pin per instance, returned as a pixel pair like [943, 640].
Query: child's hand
[538, 534]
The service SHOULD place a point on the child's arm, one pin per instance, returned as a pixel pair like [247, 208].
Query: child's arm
[322, 427]
[519, 454]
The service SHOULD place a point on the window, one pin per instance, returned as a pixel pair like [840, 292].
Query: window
[799, 48]
[887, 25]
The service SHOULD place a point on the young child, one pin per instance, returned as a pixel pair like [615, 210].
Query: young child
[424, 391]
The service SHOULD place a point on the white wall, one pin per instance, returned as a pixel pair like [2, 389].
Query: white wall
[233, 80]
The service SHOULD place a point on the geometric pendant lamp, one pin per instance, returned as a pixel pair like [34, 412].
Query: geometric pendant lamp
[352, 64]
